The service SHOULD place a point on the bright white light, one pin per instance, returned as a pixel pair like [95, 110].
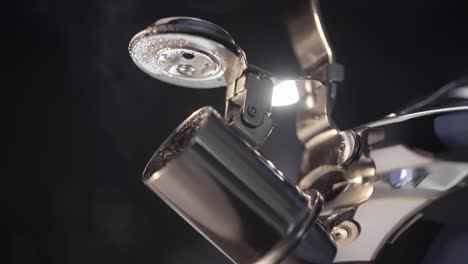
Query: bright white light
[285, 93]
[403, 174]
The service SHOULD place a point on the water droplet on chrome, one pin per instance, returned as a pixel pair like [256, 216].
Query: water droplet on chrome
[185, 69]
[182, 42]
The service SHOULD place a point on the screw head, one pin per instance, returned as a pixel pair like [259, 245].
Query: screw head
[252, 111]
[345, 232]
[339, 234]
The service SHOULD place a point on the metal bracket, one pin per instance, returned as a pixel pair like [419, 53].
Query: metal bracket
[257, 103]
[308, 36]
[248, 105]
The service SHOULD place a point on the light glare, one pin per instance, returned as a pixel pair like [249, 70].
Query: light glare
[285, 93]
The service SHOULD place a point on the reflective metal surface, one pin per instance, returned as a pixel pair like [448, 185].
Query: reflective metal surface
[418, 139]
[308, 36]
[234, 196]
[284, 249]
[418, 158]
[326, 164]
[379, 175]
[345, 232]
[188, 52]
[371, 180]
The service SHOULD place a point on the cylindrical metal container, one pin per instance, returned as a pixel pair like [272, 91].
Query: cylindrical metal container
[235, 197]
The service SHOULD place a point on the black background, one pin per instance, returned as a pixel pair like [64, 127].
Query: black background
[82, 120]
